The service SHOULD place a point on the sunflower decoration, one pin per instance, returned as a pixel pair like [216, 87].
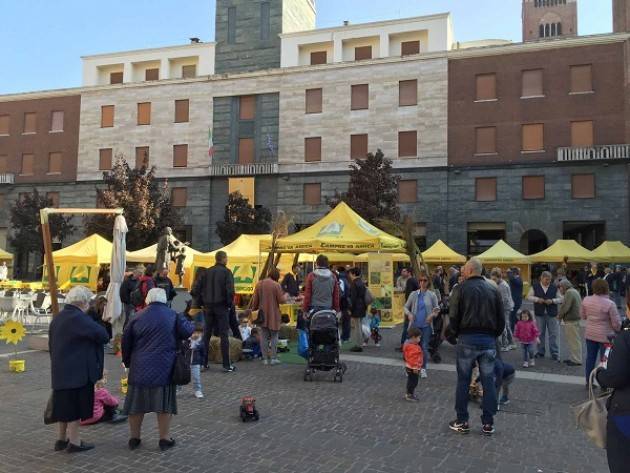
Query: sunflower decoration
[12, 332]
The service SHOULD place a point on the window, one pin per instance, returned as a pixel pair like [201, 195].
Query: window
[407, 191]
[312, 194]
[583, 186]
[582, 134]
[247, 107]
[532, 82]
[486, 189]
[27, 164]
[179, 196]
[231, 33]
[182, 108]
[358, 146]
[142, 157]
[407, 144]
[362, 52]
[246, 151]
[54, 163]
[56, 121]
[144, 113]
[3, 163]
[319, 57]
[152, 74]
[265, 23]
[244, 186]
[30, 122]
[533, 137]
[483, 235]
[107, 116]
[486, 86]
[312, 149]
[53, 198]
[581, 79]
[190, 71]
[408, 48]
[105, 159]
[486, 140]
[533, 187]
[4, 124]
[314, 101]
[180, 156]
[116, 78]
[408, 92]
[360, 97]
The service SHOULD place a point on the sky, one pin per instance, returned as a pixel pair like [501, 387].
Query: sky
[42, 41]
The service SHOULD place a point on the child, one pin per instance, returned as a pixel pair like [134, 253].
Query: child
[243, 326]
[527, 333]
[412, 353]
[198, 349]
[375, 323]
[104, 405]
[251, 345]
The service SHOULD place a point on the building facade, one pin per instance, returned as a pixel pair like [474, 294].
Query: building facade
[544, 19]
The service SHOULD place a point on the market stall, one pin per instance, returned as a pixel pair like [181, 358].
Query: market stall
[148, 255]
[440, 254]
[612, 252]
[502, 255]
[563, 251]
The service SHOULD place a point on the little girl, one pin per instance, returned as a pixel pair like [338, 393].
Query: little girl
[198, 349]
[105, 405]
[527, 333]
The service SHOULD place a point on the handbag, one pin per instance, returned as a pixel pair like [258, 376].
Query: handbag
[592, 416]
[180, 375]
[257, 317]
[48, 411]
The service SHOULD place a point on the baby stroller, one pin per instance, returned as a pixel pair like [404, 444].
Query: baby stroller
[323, 346]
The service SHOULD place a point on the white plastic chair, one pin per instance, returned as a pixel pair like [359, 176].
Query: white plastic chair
[42, 312]
[20, 311]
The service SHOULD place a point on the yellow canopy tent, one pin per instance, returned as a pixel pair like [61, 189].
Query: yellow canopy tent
[396, 258]
[502, 253]
[612, 252]
[561, 249]
[79, 264]
[343, 231]
[147, 256]
[440, 253]
[5, 255]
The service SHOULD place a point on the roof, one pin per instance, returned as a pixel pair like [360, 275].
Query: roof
[440, 253]
[5, 255]
[561, 249]
[612, 252]
[245, 248]
[500, 253]
[93, 250]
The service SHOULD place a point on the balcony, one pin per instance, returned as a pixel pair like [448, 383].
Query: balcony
[594, 153]
[234, 170]
[7, 178]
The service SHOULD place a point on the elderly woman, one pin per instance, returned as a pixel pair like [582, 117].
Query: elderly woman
[268, 296]
[602, 321]
[75, 343]
[149, 346]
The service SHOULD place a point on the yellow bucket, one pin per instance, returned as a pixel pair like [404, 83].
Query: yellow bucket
[17, 366]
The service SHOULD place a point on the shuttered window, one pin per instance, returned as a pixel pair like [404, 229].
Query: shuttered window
[407, 144]
[180, 156]
[4, 124]
[247, 107]
[56, 121]
[116, 78]
[313, 99]
[312, 149]
[532, 82]
[408, 93]
[182, 111]
[28, 161]
[583, 186]
[105, 159]
[53, 198]
[486, 139]
[144, 113]
[360, 97]
[107, 116]
[408, 48]
[358, 146]
[407, 191]
[190, 71]
[362, 52]
[486, 189]
[582, 78]
[54, 163]
[142, 157]
[179, 197]
[30, 122]
[246, 151]
[312, 194]
[533, 137]
[533, 187]
[319, 57]
[152, 74]
[582, 134]
[486, 85]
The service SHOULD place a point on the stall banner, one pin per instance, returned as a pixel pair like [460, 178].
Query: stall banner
[69, 275]
[381, 284]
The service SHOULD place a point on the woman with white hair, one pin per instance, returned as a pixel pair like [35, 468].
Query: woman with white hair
[76, 362]
[149, 347]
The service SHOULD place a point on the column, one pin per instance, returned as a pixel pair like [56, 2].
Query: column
[383, 48]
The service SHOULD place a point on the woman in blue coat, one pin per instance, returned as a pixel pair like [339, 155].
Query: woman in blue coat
[149, 346]
[75, 343]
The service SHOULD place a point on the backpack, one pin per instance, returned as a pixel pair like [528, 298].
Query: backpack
[368, 297]
[137, 295]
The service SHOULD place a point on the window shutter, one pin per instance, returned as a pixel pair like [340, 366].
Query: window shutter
[486, 140]
[4, 124]
[312, 149]
[189, 71]
[408, 191]
[142, 157]
[144, 113]
[360, 97]
[583, 186]
[152, 74]
[358, 146]
[408, 92]
[319, 57]
[56, 121]
[314, 101]
[182, 111]
[30, 122]
[179, 197]
[246, 151]
[105, 159]
[407, 144]
[486, 86]
[408, 48]
[312, 194]
[107, 116]
[532, 83]
[27, 164]
[582, 78]
[54, 162]
[582, 134]
[362, 52]
[247, 107]
[116, 78]
[533, 137]
[533, 187]
[486, 189]
[180, 156]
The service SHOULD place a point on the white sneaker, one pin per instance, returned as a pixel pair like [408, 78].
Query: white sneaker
[275, 361]
[525, 364]
[378, 345]
[504, 349]
[364, 344]
[532, 363]
[265, 361]
[198, 394]
[423, 373]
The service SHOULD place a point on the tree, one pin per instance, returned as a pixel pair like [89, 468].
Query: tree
[241, 218]
[146, 203]
[372, 191]
[26, 236]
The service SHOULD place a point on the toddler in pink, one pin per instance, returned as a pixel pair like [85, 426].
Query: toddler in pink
[527, 333]
[105, 405]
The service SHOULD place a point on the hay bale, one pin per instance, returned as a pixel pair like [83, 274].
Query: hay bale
[236, 350]
[289, 332]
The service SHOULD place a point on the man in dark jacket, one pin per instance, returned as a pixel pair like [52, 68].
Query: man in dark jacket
[214, 291]
[477, 319]
[358, 308]
[162, 281]
[290, 283]
[129, 285]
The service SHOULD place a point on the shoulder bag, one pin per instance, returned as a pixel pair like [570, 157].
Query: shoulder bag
[592, 416]
[258, 316]
[180, 375]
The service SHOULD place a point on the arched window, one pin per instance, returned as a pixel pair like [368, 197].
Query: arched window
[559, 29]
[553, 29]
[541, 31]
[547, 30]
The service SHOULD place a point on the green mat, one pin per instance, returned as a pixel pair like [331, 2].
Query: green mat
[291, 357]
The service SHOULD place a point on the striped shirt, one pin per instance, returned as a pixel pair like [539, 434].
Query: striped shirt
[602, 318]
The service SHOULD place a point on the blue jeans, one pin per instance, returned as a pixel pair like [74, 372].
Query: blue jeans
[593, 350]
[425, 338]
[547, 324]
[470, 352]
[528, 351]
[195, 374]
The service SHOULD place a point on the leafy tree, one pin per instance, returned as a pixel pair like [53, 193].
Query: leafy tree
[146, 203]
[372, 191]
[241, 218]
[26, 236]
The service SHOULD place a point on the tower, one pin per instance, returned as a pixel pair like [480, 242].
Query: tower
[549, 19]
[621, 16]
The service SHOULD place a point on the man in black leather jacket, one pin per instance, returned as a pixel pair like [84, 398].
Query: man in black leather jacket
[476, 319]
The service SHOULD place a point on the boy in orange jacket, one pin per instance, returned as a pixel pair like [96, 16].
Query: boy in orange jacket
[412, 353]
